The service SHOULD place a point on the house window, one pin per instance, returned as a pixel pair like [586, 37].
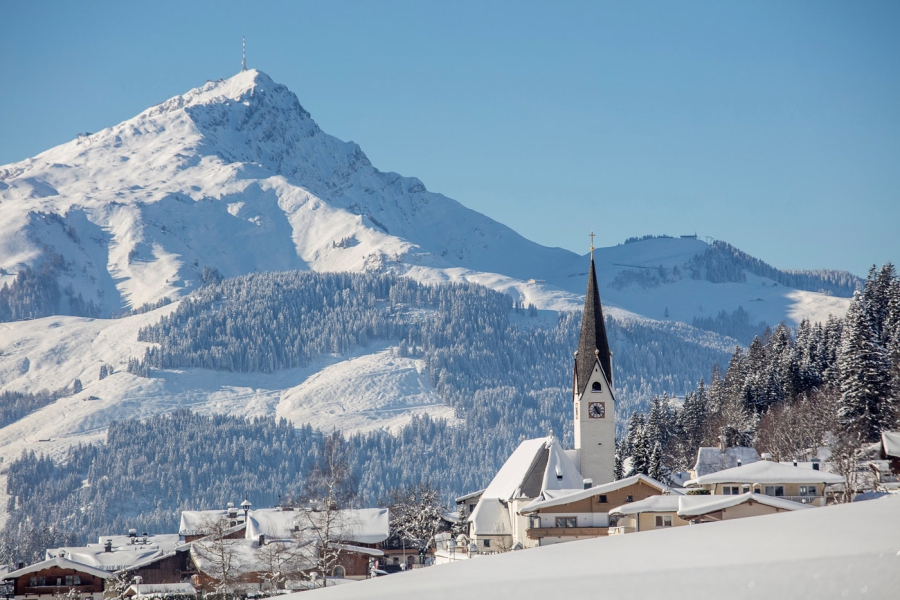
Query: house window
[58, 581]
[807, 490]
[70, 581]
[774, 490]
[731, 490]
[471, 508]
[602, 498]
[566, 522]
[663, 520]
[595, 387]
[487, 543]
[535, 522]
[629, 498]
[78, 580]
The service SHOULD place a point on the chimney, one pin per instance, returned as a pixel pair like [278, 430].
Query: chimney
[62, 553]
[132, 533]
[816, 466]
[795, 463]
[739, 462]
[107, 547]
[262, 539]
[588, 483]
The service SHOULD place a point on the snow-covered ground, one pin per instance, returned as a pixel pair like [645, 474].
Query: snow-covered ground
[846, 551]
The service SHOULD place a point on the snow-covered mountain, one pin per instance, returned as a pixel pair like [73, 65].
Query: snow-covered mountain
[236, 176]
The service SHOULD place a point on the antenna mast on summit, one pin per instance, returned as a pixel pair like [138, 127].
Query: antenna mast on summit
[243, 53]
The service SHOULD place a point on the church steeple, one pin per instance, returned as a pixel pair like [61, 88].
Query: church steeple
[593, 400]
[593, 344]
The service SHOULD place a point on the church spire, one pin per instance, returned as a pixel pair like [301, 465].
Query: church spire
[593, 345]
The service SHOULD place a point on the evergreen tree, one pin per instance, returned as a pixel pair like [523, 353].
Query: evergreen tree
[867, 402]
[656, 469]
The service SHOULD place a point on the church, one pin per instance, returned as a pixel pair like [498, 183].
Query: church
[546, 494]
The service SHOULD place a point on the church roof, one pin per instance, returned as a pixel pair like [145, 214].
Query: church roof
[593, 336]
[533, 468]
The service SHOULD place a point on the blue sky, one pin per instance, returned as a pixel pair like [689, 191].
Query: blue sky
[774, 126]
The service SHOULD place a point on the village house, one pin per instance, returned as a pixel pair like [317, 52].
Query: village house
[357, 532]
[161, 559]
[568, 515]
[55, 577]
[660, 512]
[803, 485]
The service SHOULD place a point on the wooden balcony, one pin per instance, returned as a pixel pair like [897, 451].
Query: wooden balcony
[536, 533]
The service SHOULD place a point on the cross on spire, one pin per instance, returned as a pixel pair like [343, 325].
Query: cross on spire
[243, 53]
[592, 244]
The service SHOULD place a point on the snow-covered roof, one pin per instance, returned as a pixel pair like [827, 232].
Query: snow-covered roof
[665, 503]
[890, 442]
[553, 498]
[126, 551]
[765, 471]
[196, 522]
[536, 467]
[362, 525]
[693, 506]
[490, 517]
[540, 462]
[62, 563]
[711, 459]
[470, 495]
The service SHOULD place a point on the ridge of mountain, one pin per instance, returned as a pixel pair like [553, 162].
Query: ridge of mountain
[236, 175]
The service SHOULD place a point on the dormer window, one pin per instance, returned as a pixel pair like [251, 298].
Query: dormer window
[595, 387]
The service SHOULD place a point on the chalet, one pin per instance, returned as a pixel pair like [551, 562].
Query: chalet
[357, 532]
[804, 485]
[568, 515]
[55, 577]
[116, 552]
[660, 512]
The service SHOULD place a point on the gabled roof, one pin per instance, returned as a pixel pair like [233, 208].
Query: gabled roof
[362, 525]
[694, 506]
[890, 443]
[470, 495]
[763, 472]
[550, 499]
[126, 551]
[651, 504]
[197, 522]
[593, 345]
[540, 464]
[62, 563]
